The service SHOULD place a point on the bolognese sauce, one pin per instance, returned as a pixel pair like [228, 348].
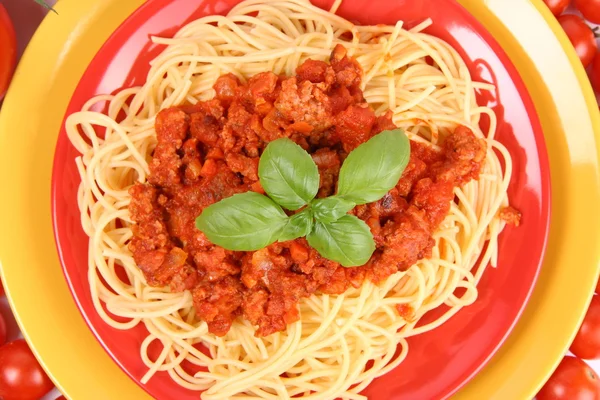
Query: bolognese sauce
[209, 151]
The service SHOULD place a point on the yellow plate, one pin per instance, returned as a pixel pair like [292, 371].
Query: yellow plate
[33, 111]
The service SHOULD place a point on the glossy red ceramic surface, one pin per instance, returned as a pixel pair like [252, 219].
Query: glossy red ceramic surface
[439, 362]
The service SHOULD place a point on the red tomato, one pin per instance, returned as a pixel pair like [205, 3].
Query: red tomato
[1, 288]
[21, 376]
[581, 36]
[572, 380]
[8, 50]
[2, 330]
[587, 342]
[557, 7]
[590, 9]
[595, 78]
[61, 398]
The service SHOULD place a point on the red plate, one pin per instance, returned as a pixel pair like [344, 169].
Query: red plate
[439, 362]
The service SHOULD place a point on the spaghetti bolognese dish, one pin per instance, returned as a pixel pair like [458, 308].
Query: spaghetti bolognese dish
[286, 197]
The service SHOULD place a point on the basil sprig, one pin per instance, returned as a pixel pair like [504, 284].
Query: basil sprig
[331, 209]
[298, 226]
[251, 221]
[374, 167]
[243, 222]
[348, 241]
[288, 174]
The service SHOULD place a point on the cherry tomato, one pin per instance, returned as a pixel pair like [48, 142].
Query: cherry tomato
[2, 330]
[8, 50]
[572, 380]
[61, 398]
[581, 36]
[1, 289]
[21, 376]
[557, 7]
[595, 78]
[587, 342]
[590, 9]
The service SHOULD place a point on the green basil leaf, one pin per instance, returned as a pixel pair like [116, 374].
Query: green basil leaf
[288, 174]
[243, 222]
[298, 226]
[374, 168]
[348, 241]
[331, 209]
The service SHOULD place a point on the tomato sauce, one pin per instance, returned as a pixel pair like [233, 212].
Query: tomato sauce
[209, 151]
[510, 215]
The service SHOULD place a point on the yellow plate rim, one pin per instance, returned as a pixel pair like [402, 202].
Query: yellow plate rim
[38, 293]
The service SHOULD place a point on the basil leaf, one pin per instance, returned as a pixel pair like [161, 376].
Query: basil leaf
[299, 225]
[288, 174]
[348, 241]
[242, 222]
[330, 209]
[374, 167]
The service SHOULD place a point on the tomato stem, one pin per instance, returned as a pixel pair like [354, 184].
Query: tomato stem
[46, 5]
[596, 32]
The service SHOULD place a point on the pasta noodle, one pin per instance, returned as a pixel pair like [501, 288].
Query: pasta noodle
[343, 342]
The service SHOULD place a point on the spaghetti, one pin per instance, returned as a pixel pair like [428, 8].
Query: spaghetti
[341, 342]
